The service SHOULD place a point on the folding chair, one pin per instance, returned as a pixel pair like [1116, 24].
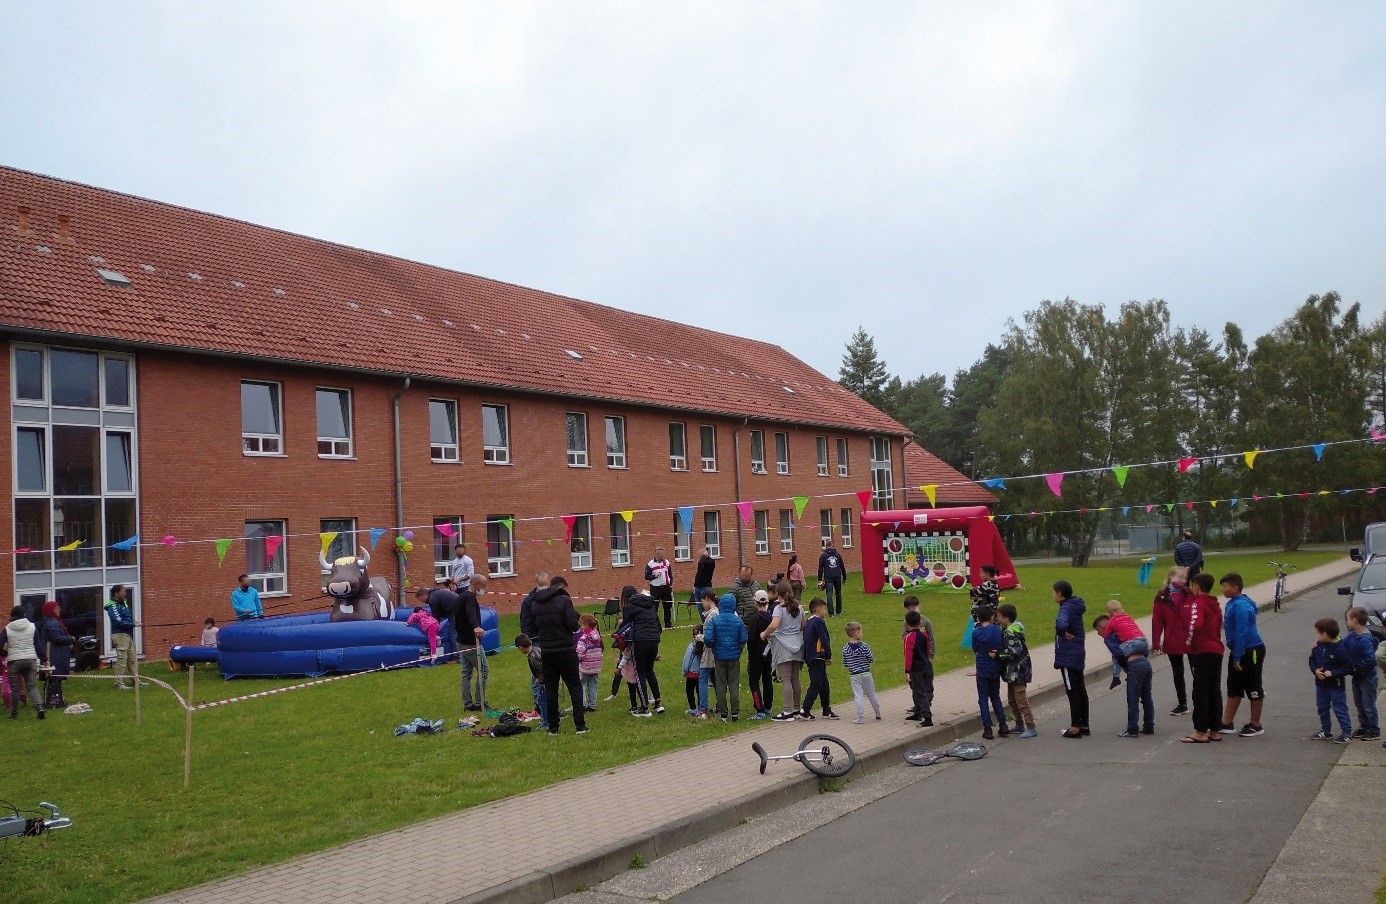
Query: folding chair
[613, 609]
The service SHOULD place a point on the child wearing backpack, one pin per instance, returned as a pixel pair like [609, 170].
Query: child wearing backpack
[590, 651]
[1016, 669]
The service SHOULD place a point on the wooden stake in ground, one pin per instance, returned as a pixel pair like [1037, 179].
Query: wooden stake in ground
[481, 675]
[187, 731]
[135, 667]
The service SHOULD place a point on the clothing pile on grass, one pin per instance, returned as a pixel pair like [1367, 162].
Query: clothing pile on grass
[509, 724]
[421, 726]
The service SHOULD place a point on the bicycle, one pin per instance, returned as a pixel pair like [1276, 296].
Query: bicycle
[1280, 576]
[823, 755]
[15, 824]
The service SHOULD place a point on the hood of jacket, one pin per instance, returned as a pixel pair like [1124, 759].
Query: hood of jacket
[549, 593]
[727, 604]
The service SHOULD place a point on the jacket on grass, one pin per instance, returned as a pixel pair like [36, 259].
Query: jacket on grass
[725, 632]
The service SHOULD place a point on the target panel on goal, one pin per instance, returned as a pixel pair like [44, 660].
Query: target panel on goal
[922, 560]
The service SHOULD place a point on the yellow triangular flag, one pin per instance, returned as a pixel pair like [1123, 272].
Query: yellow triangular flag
[327, 539]
[1213, 503]
[628, 514]
[71, 546]
[1250, 458]
[930, 490]
[991, 517]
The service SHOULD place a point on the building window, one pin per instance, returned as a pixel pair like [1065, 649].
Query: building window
[30, 375]
[268, 574]
[75, 378]
[757, 452]
[442, 430]
[786, 530]
[577, 439]
[500, 545]
[261, 419]
[842, 458]
[846, 528]
[683, 541]
[821, 442]
[342, 545]
[580, 547]
[31, 462]
[708, 435]
[117, 382]
[762, 532]
[442, 547]
[882, 482]
[334, 423]
[712, 533]
[825, 526]
[781, 453]
[678, 447]
[620, 541]
[120, 472]
[495, 434]
[615, 442]
[32, 531]
[78, 519]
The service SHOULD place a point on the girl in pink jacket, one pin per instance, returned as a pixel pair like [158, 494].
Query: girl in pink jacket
[590, 652]
[425, 622]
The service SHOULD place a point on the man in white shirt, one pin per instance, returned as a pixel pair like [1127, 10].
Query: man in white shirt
[462, 569]
[660, 573]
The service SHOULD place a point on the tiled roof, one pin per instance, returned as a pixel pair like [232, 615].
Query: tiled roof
[922, 468]
[211, 284]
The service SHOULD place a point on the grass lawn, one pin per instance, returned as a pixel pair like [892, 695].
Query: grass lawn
[285, 775]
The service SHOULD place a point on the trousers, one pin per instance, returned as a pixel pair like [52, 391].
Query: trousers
[1139, 680]
[728, 682]
[818, 686]
[762, 683]
[863, 689]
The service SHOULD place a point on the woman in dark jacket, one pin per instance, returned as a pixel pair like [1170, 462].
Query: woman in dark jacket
[639, 610]
[1070, 656]
[55, 648]
[555, 623]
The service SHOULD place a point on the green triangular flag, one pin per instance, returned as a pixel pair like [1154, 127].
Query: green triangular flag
[509, 523]
[222, 547]
[1121, 471]
[799, 503]
[1169, 506]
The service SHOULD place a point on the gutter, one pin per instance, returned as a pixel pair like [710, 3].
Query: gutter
[399, 479]
[736, 468]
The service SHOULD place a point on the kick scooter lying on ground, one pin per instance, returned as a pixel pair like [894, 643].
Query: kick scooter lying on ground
[823, 755]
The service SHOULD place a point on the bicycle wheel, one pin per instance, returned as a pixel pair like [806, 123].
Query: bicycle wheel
[829, 757]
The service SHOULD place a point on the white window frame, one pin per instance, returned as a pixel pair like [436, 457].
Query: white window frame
[882, 478]
[709, 464]
[442, 568]
[620, 541]
[352, 532]
[46, 451]
[43, 374]
[786, 530]
[341, 448]
[581, 561]
[825, 526]
[501, 565]
[841, 457]
[781, 445]
[846, 528]
[260, 579]
[683, 541]
[258, 439]
[577, 458]
[679, 461]
[496, 455]
[444, 453]
[762, 523]
[757, 464]
[129, 382]
[712, 533]
[820, 444]
[616, 460]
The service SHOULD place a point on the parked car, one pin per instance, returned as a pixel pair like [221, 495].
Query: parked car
[1369, 592]
[1373, 545]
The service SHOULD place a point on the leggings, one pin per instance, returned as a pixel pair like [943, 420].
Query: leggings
[789, 684]
[1077, 697]
[690, 690]
[645, 654]
[616, 681]
[1176, 667]
[634, 695]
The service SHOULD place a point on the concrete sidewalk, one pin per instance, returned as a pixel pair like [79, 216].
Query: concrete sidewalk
[498, 864]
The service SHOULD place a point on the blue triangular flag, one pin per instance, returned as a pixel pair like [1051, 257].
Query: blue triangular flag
[1318, 450]
[995, 483]
[1345, 492]
[1126, 509]
[127, 544]
[1233, 501]
[686, 518]
[1005, 517]
[376, 534]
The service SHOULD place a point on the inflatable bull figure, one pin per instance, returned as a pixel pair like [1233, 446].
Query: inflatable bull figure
[356, 596]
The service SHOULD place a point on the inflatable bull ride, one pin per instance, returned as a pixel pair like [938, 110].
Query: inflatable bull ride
[362, 630]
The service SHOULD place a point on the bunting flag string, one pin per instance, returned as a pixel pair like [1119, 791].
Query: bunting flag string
[445, 528]
[864, 497]
[127, 544]
[272, 544]
[1186, 463]
[628, 515]
[326, 538]
[1250, 458]
[746, 509]
[1056, 483]
[1318, 450]
[686, 518]
[568, 522]
[1121, 472]
[931, 491]
[71, 546]
[376, 534]
[995, 483]
[222, 547]
[800, 502]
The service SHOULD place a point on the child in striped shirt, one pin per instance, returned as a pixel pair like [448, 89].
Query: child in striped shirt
[857, 657]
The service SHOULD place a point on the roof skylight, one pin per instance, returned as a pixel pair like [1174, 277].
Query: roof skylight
[788, 390]
[112, 278]
[572, 354]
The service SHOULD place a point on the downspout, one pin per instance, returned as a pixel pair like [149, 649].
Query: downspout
[399, 483]
[905, 440]
[736, 468]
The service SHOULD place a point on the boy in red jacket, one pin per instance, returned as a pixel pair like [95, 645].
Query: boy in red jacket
[1168, 632]
[1203, 616]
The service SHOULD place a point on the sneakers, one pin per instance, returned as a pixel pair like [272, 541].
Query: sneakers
[878, 717]
[723, 719]
[609, 698]
[1340, 739]
[926, 723]
[858, 721]
[1128, 733]
[760, 716]
[582, 731]
[642, 713]
[700, 714]
[1029, 733]
[785, 717]
[690, 712]
[736, 718]
[829, 714]
[987, 734]
[1003, 732]
[1085, 732]
[1227, 728]
[1071, 735]
[1322, 736]
[1147, 731]
[1251, 730]
[806, 715]
[1371, 736]
[1179, 710]
[914, 718]
[1116, 682]
[659, 707]
[40, 715]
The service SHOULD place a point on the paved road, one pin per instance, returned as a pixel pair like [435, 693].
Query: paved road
[1102, 819]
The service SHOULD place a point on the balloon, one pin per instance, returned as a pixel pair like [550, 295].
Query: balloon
[400, 541]
[408, 547]
[409, 535]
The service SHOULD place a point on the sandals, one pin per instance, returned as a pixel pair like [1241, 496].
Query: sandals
[1190, 739]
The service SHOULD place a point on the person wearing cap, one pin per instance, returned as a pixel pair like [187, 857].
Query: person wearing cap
[759, 668]
[660, 573]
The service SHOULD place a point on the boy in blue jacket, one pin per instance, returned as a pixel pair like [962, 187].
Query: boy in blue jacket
[1330, 664]
[987, 641]
[818, 653]
[1245, 660]
[725, 633]
[1361, 649]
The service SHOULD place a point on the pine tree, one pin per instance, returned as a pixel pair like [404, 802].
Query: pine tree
[863, 372]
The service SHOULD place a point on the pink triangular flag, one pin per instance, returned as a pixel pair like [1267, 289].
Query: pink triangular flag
[568, 522]
[1150, 508]
[272, 544]
[169, 540]
[447, 530]
[1186, 463]
[1378, 436]
[1056, 482]
[1255, 498]
[746, 509]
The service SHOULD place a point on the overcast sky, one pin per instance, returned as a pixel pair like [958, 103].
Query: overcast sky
[780, 170]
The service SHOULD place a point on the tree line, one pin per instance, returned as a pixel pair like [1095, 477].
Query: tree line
[1072, 386]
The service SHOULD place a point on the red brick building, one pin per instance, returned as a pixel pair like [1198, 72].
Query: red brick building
[175, 374]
